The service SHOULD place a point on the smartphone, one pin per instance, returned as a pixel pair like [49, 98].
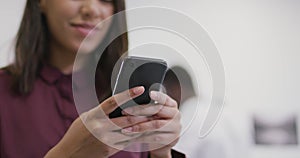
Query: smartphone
[139, 71]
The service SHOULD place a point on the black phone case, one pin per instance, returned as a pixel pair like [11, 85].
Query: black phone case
[139, 71]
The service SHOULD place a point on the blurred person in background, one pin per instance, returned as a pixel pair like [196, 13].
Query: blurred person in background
[221, 142]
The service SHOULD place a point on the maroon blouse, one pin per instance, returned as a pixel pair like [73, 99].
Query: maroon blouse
[31, 125]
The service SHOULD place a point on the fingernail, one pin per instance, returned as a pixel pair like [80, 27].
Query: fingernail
[127, 130]
[153, 95]
[138, 90]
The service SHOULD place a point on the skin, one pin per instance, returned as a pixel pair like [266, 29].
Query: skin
[158, 125]
[65, 40]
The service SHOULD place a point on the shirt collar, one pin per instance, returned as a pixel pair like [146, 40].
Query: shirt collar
[51, 75]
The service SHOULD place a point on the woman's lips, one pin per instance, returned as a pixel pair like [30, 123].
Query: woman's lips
[84, 29]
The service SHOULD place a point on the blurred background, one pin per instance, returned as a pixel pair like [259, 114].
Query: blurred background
[259, 43]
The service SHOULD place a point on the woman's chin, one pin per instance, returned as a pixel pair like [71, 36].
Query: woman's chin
[85, 48]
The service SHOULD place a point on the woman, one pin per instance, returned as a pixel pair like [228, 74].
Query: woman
[37, 113]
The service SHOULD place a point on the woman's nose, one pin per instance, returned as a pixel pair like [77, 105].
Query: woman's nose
[91, 9]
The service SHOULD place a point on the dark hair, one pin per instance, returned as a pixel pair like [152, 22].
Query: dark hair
[31, 49]
[178, 84]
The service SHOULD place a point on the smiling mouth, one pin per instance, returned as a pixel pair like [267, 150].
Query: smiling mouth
[85, 29]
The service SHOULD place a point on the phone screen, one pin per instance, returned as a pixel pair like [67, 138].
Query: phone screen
[139, 71]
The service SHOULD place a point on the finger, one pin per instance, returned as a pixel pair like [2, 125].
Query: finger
[110, 104]
[152, 110]
[114, 137]
[126, 121]
[163, 99]
[153, 125]
[143, 110]
[161, 125]
[168, 113]
[162, 138]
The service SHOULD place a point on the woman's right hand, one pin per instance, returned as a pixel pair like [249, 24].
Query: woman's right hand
[82, 138]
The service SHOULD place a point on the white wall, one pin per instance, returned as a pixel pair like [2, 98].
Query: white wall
[259, 45]
[258, 41]
[10, 15]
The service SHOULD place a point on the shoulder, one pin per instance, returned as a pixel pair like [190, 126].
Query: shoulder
[5, 84]
[5, 79]
[5, 90]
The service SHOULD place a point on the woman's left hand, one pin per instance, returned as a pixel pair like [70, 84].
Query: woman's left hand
[162, 132]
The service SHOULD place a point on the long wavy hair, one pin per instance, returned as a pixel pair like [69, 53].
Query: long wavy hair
[31, 50]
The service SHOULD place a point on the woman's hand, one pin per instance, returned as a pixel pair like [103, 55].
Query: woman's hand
[161, 133]
[82, 138]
